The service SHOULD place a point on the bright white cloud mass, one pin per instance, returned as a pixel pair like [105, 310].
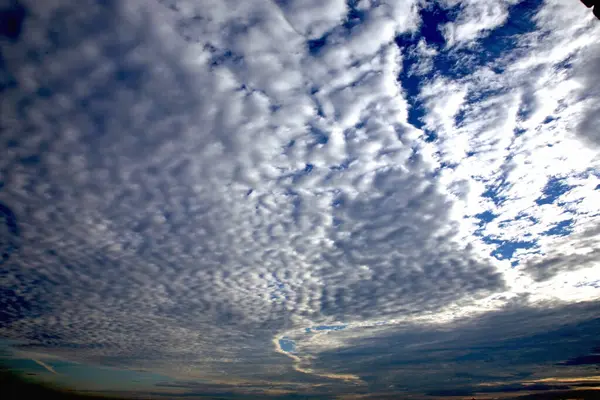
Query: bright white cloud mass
[193, 188]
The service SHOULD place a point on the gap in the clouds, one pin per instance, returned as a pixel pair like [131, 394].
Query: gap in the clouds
[431, 17]
[565, 64]
[555, 188]
[319, 136]
[287, 345]
[563, 228]
[411, 84]
[12, 19]
[519, 131]
[443, 166]
[220, 56]
[337, 222]
[485, 217]
[522, 215]
[296, 177]
[355, 15]
[461, 114]
[315, 45]
[344, 165]
[337, 202]
[506, 249]
[321, 328]
[318, 104]
[493, 192]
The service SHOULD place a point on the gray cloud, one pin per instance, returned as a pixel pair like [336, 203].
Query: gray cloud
[578, 252]
[588, 71]
[511, 346]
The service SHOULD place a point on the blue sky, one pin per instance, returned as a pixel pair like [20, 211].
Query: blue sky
[292, 197]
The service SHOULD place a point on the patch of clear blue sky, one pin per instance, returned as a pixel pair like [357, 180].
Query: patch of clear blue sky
[555, 188]
[287, 345]
[494, 189]
[507, 249]
[485, 217]
[563, 228]
[326, 328]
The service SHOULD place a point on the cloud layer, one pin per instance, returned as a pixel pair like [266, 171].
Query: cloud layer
[186, 182]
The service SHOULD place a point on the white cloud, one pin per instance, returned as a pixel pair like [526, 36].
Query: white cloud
[476, 19]
[314, 18]
[424, 54]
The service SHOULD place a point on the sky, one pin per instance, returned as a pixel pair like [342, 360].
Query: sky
[279, 198]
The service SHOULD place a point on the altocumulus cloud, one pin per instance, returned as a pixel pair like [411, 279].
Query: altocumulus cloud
[193, 180]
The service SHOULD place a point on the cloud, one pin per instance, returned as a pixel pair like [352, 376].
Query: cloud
[588, 70]
[46, 366]
[315, 18]
[503, 136]
[579, 252]
[476, 19]
[193, 180]
[501, 351]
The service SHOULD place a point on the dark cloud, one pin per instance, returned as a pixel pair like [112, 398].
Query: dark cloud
[590, 359]
[511, 347]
